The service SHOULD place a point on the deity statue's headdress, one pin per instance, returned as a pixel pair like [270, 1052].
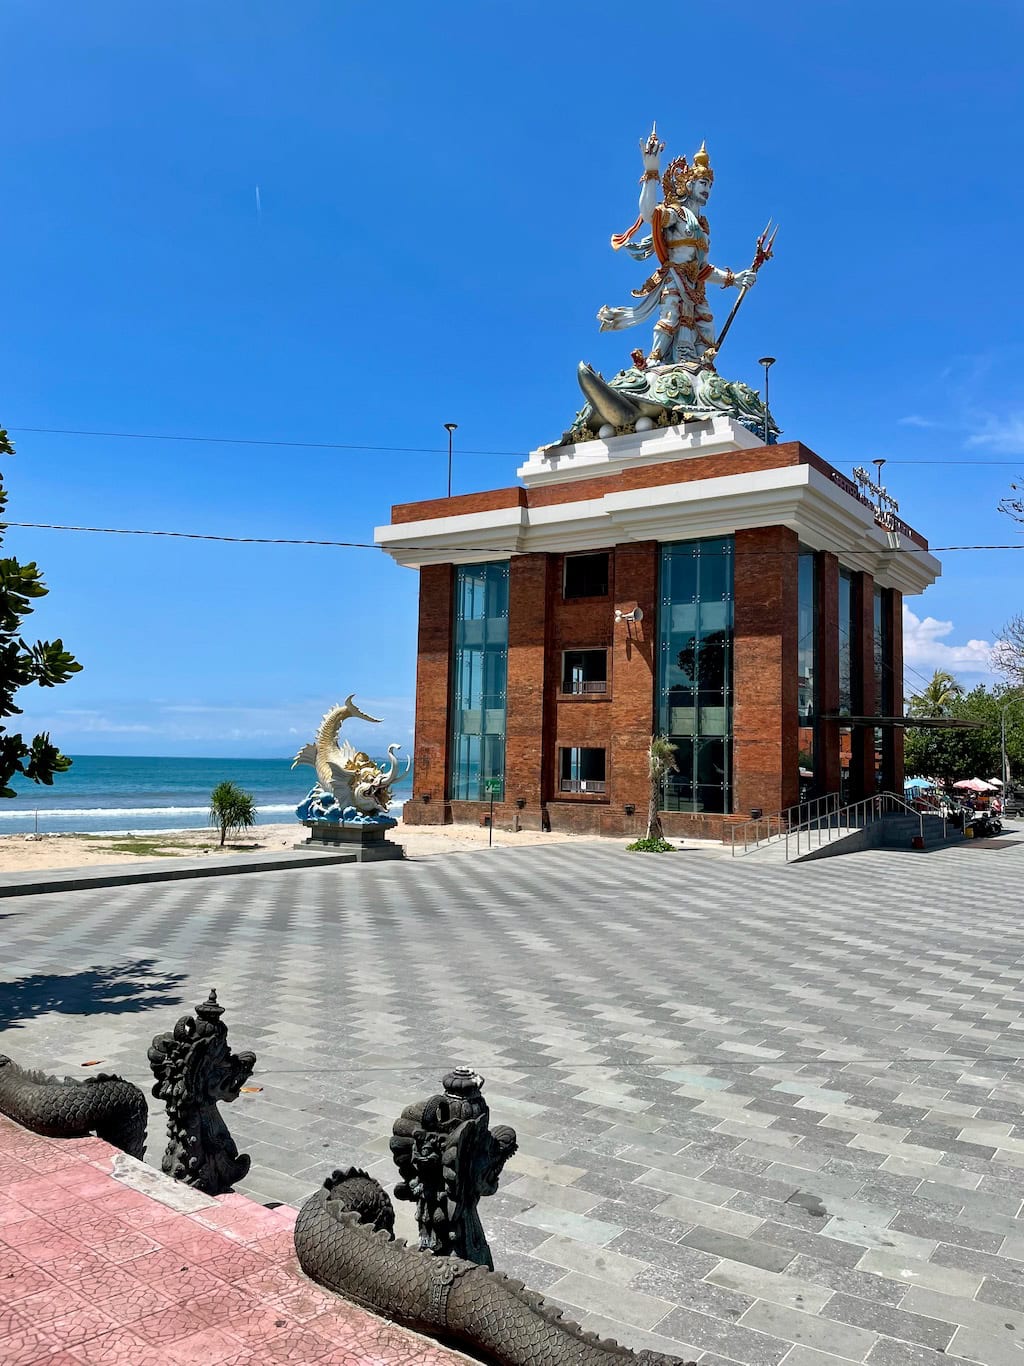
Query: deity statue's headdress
[679, 174]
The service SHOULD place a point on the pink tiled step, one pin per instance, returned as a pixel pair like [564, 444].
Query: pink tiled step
[95, 1271]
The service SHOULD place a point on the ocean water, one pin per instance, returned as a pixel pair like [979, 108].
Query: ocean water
[99, 794]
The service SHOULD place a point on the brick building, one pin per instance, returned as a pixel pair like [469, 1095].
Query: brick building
[768, 645]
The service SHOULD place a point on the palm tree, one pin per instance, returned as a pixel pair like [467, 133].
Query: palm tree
[661, 758]
[938, 695]
[231, 809]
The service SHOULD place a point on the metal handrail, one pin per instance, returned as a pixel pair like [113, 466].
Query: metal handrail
[855, 816]
[750, 831]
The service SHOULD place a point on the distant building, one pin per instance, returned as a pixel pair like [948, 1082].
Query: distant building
[768, 646]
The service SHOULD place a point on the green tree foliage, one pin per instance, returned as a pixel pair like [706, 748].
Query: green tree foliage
[661, 759]
[45, 662]
[950, 755]
[936, 698]
[231, 809]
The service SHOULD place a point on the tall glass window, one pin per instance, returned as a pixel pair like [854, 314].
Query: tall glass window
[479, 682]
[883, 691]
[807, 627]
[695, 672]
[847, 655]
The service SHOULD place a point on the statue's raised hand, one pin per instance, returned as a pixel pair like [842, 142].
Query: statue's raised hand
[652, 150]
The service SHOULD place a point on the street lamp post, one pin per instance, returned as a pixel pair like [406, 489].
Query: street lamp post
[767, 362]
[450, 427]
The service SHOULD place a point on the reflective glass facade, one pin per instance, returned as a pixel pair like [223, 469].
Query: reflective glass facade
[807, 696]
[695, 672]
[847, 675]
[479, 682]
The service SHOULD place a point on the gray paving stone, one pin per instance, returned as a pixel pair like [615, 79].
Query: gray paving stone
[993, 1319]
[909, 1272]
[810, 1330]
[617, 1302]
[899, 1323]
[815, 1245]
[752, 1252]
[1002, 1293]
[813, 1043]
[858, 1281]
[732, 1341]
[975, 1345]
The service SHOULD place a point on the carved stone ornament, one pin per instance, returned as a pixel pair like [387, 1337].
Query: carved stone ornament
[109, 1107]
[448, 1158]
[195, 1070]
[344, 1241]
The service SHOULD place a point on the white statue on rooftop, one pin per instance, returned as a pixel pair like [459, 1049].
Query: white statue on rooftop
[676, 381]
[680, 238]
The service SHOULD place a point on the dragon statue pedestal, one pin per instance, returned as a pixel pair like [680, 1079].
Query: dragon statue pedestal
[364, 839]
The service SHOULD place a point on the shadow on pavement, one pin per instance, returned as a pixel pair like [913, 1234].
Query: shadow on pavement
[126, 989]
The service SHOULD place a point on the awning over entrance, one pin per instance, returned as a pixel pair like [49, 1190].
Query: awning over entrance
[906, 722]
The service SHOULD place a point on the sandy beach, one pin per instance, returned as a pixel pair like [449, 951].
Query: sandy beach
[24, 853]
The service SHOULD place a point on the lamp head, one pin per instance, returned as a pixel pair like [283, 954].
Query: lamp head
[767, 361]
[451, 426]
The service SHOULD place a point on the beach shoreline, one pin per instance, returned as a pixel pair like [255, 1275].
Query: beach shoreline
[27, 853]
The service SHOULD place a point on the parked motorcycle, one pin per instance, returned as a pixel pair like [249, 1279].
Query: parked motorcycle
[985, 826]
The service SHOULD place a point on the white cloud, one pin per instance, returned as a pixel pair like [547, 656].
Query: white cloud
[1002, 434]
[916, 420]
[189, 727]
[925, 649]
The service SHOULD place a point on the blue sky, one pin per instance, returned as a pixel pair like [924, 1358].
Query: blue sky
[437, 186]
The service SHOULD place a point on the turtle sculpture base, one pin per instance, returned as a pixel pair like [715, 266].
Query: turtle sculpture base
[367, 841]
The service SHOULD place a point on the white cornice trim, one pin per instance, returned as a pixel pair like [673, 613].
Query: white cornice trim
[797, 496]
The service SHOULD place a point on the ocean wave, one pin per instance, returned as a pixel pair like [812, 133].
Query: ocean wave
[92, 812]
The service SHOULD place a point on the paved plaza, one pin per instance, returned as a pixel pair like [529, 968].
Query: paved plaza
[766, 1114]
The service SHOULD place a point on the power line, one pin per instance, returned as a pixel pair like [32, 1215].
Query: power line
[346, 446]
[256, 441]
[461, 549]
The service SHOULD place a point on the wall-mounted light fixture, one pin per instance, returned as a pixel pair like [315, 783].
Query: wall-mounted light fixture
[520, 802]
[629, 809]
[424, 796]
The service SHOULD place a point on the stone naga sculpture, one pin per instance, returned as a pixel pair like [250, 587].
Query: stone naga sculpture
[448, 1158]
[344, 1241]
[195, 1070]
[107, 1106]
[347, 779]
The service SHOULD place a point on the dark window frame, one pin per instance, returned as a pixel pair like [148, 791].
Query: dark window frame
[602, 693]
[576, 558]
[574, 788]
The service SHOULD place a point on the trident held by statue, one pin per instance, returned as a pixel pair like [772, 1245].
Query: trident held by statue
[762, 252]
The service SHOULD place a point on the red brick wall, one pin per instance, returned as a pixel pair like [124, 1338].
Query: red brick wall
[893, 607]
[636, 477]
[765, 769]
[524, 726]
[433, 667]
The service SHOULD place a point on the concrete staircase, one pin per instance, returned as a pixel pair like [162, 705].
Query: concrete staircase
[891, 831]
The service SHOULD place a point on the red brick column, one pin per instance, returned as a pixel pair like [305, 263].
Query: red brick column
[865, 703]
[634, 666]
[826, 658]
[525, 715]
[892, 606]
[433, 669]
[765, 767]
